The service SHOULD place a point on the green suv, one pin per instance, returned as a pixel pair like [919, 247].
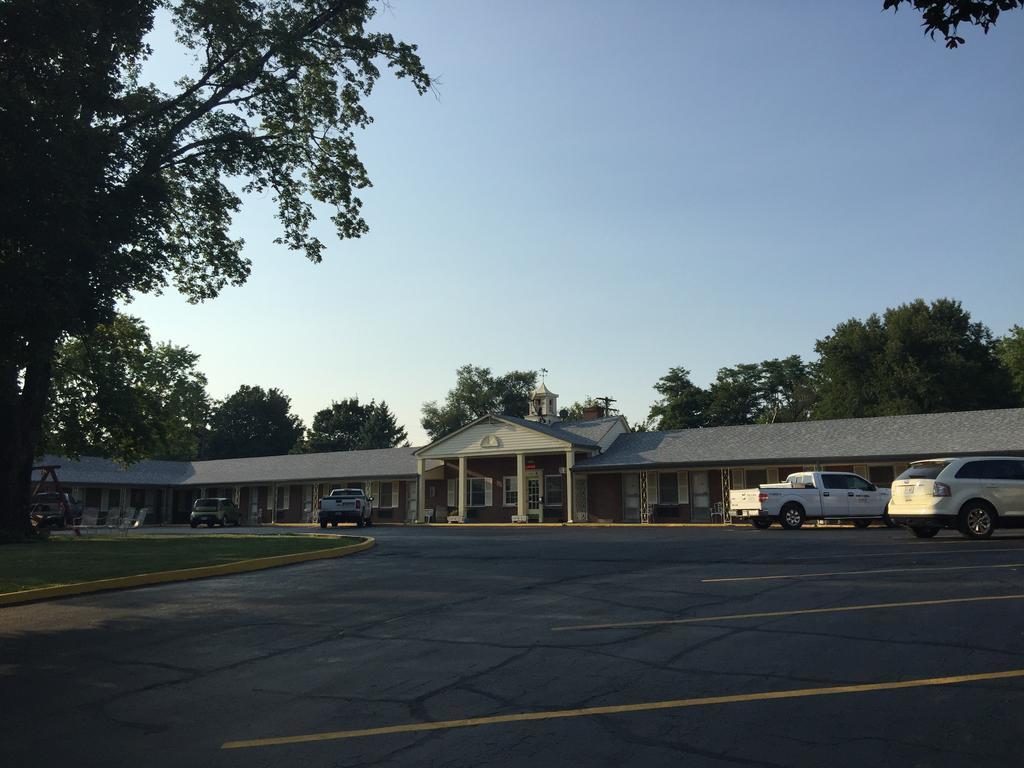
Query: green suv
[215, 512]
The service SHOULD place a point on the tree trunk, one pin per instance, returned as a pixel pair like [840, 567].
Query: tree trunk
[22, 406]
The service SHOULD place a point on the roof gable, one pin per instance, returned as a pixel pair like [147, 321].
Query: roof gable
[501, 435]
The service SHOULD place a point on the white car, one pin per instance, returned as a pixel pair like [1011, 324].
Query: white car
[974, 495]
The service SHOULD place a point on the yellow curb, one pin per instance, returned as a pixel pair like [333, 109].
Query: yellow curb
[182, 574]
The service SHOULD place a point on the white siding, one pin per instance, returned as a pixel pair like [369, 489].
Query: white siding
[511, 439]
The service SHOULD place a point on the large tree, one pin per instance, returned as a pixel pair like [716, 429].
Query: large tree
[1010, 350]
[253, 422]
[915, 358]
[476, 393]
[349, 425]
[113, 186]
[117, 394]
[682, 404]
[946, 16]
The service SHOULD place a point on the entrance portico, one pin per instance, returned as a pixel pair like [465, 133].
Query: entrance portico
[502, 469]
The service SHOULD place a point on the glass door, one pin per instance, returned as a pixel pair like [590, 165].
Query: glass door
[533, 495]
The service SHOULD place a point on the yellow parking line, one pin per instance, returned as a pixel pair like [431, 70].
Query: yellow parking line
[863, 573]
[621, 709]
[773, 614]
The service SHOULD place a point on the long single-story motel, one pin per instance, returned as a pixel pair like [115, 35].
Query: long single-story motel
[542, 469]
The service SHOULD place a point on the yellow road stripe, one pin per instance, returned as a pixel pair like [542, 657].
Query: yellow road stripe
[864, 573]
[772, 614]
[620, 709]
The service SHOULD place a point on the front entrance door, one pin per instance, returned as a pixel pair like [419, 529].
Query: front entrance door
[631, 497]
[701, 496]
[411, 497]
[579, 502]
[534, 484]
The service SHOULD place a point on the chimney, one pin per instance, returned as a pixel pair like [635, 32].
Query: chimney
[594, 411]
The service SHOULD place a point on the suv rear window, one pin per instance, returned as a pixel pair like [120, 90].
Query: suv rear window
[205, 503]
[925, 470]
[992, 469]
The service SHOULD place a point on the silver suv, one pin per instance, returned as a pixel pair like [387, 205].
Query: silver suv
[974, 495]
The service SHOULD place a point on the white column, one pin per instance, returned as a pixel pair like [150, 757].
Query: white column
[570, 462]
[521, 485]
[462, 489]
[421, 490]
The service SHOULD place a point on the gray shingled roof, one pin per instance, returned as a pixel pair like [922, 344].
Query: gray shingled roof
[879, 438]
[593, 430]
[560, 430]
[91, 470]
[390, 463]
[387, 463]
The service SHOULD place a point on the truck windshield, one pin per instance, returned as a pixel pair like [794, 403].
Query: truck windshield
[924, 470]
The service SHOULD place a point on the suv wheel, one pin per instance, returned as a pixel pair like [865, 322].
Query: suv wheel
[977, 520]
[924, 533]
[791, 517]
[861, 523]
[323, 523]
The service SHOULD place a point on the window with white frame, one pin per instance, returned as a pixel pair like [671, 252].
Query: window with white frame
[510, 491]
[385, 495]
[552, 490]
[478, 492]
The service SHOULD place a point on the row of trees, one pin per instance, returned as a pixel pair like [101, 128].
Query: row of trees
[914, 358]
[117, 394]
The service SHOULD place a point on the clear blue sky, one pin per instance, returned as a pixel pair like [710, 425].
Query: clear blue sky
[609, 189]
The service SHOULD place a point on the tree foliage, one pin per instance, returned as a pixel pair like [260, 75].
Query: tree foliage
[748, 393]
[114, 186]
[349, 425]
[946, 16]
[1010, 351]
[915, 358]
[116, 394]
[478, 392]
[253, 422]
[682, 404]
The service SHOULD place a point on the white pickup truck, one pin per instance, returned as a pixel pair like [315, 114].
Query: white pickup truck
[346, 505]
[812, 496]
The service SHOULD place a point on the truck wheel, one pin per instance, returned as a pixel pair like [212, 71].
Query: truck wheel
[323, 523]
[369, 522]
[791, 517]
[861, 523]
[359, 523]
[761, 525]
[889, 522]
[924, 533]
[334, 523]
[977, 520]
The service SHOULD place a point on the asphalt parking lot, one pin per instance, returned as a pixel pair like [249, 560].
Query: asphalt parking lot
[508, 647]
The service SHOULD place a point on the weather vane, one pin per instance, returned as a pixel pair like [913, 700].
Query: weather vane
[543, 374]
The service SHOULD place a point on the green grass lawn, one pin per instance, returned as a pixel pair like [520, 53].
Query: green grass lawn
[65, 560]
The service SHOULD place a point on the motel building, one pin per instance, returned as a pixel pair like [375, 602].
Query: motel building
[540, 469]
